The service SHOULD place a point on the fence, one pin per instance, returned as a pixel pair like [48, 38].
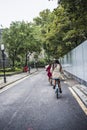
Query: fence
[75, 62]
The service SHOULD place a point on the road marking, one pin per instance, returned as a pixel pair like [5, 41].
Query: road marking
[16, 82]
[12, 84]
[84, 108]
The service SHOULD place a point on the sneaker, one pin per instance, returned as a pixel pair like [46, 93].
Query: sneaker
[60, 90]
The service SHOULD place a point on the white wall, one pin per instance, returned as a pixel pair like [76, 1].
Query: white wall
[75, 62]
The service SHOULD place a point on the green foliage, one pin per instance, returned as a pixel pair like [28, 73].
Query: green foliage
[69, 26]
[57, 32]
[20, 40]
[41, 63]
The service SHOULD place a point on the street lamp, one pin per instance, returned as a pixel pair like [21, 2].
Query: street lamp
[3, 57]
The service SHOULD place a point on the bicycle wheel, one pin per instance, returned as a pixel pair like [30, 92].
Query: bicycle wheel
[57, 93]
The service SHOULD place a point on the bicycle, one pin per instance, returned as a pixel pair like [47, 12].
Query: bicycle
[57, 87]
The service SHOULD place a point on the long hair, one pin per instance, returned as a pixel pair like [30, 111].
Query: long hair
[57, 62]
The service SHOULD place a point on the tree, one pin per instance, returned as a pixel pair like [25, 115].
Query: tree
[20, 41]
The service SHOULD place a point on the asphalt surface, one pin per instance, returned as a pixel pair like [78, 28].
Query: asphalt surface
[14, 78]
[32, 105]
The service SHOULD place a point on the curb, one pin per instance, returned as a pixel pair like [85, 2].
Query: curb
[79, 89]
[82, 94]
[16, 80]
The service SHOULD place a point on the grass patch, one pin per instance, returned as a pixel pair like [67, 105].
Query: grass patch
[11, 71]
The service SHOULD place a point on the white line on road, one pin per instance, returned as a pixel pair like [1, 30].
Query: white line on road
[12, 84]
[84, 108]
[15, 82]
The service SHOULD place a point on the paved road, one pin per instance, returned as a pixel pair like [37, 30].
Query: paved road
[14, 78]
[32, 105]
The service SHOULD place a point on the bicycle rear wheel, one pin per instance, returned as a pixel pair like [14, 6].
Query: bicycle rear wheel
[57, 93]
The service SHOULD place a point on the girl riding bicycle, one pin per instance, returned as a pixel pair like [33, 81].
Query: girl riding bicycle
[57, 74]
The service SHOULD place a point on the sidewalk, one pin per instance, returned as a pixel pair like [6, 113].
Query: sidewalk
[79, 89]
[14, 78]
